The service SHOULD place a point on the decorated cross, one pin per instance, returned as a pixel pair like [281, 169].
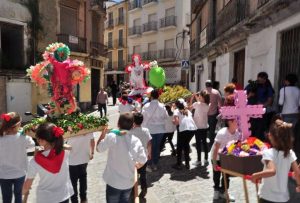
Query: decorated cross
[242, 112]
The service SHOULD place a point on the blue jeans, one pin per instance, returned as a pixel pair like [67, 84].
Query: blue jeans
[7, 190]
[156, 140]
[290, 118]
[114, 195]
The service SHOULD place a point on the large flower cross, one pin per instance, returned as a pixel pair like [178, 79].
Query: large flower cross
[242, 112]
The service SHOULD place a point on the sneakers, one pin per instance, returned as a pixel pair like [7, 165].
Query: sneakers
[197, 163]
[216, 195]
[223, 196]
[149, 169]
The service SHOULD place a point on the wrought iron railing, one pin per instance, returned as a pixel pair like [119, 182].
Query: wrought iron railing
[76, 44]
[110, 44]
[150, 55]
[167, 53]
[120, 42]
[110, 23]
[135, 30]
[134, 5]
[120, 20]
[98, 49]
[148, 1]
[234, 12]
[150, 26]
[167, 21]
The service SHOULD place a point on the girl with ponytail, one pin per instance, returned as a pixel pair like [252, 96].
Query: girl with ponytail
[52, 165]
[13, 157]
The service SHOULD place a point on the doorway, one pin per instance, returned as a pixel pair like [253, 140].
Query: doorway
[95, 84]
[239, 66]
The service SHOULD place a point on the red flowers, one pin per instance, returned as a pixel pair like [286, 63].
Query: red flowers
[80, 126]
[58, 131]
[6, 117]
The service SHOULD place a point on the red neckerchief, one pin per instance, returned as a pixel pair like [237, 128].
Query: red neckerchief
[52, 162]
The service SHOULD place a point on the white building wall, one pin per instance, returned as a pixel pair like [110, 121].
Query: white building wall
[263, 49]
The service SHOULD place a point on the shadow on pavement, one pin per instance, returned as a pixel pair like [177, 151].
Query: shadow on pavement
[166, 163]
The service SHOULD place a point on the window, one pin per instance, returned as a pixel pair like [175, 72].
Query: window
[170, 11]
[109, 56]
[121, 38]
[121, 12]
[110, 16]
[68, 20]
[137, 49]
[120, 60]
[110, 43]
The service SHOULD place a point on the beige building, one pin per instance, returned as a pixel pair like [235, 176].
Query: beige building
[115, 38]
[240, 38]
[80, 25]
[158, 31]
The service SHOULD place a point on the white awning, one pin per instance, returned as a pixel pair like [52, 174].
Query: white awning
[114, 72]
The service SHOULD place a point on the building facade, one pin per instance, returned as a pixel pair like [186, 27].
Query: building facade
[157, 31]
[80, 25]
[240, 38]
[115, 38]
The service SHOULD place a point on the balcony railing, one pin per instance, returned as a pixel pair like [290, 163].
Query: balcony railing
[98, 49]
[110, 23]
[260, 3]
[148, 2]
[150, 55]
[120, 43]
[150, 26]
[167, 21]
[135, 30]
[234, 12]
[134, 5]
[120, 20]
[167, 53]
[110, 44]
[76, 44]
[197, 4]
[195, 46]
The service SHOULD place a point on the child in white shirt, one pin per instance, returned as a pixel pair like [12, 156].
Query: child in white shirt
[125, 153]
[125, 105]
[82, 151]
[51, 165]
[170, 129]
[201, 120]
[144, 135]
[277, 163]
[13, 157]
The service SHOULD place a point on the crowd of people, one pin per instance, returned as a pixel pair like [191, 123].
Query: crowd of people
[144, 127]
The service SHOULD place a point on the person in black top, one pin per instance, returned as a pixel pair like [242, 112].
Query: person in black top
[114, 91]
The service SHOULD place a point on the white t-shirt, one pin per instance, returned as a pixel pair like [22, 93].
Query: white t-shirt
[223, 137]
[81, 148]
[200, 115]
[123, 152]
[169, 125]
[185, 122]
[13, 155]
[275, 188]
[155, 115]
[143, 134]
[289, 97]
[126, 108]
[52, 187]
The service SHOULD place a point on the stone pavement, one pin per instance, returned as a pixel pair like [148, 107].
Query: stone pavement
[166, 185]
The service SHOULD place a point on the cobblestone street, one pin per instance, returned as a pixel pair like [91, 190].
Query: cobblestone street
[166, 185]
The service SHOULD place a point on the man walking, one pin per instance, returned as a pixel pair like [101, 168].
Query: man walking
[102, 100]
[215, 103]
[114, 91]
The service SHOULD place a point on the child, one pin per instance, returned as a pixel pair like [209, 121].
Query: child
[125, 153]
[277, 162]
[170, 129]
[125, 105]
[144, 135]
[223, 136]
[52, 166]
[82, 151]
[13, 157]
[187, 127]
[200, 117]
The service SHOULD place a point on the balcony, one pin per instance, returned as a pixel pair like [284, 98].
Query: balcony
[196, 5]
[167, 53]
[134, 5]
[260, 3]
[233, 13]
[98, 49]
[110, 44]
[147, 3]
[120, 20]
[120, 43]
[195, 46]
[167, 22]
[150, 27]
[109, 24]
[150, 55]
[76, 44]
[135, 31]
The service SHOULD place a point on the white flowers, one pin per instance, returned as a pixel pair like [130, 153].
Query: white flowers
[153, 64]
